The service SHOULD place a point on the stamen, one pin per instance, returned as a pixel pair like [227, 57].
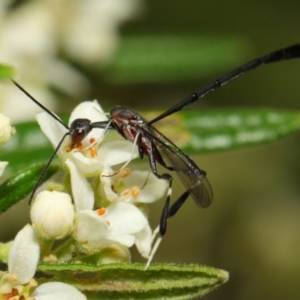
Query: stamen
[12, 277]
[68, 148]
[78, 147]
[123, 173]
[92, 140]
[93, 152]
[135, 191]
[101, 211]
[126, 193]
[50, 258]
[32, 283]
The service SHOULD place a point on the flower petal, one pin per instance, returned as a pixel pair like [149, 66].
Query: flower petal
[57, 291]
[53, 130]
[118, 223]
[24, 255]
[82, 191]
[6, 131]
[144, 240]
[91, 110]
[107, 184]
[117, 152]
[87, 166]
[153, 187]
[124, 218]
[89, 228]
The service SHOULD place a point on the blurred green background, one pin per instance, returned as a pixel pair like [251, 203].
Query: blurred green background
[252, 228]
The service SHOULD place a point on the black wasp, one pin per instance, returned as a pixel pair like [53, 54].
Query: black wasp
[156, 146]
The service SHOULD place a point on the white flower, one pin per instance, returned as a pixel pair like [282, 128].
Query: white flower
[6, 131]
[18, 282]
[90, 159]
[132, 186]
[57, 291]
[24, 255]
[119, 223]
[52, 214]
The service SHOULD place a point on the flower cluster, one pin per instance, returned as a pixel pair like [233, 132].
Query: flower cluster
[109, 205]
[18, 282]
[98, 208]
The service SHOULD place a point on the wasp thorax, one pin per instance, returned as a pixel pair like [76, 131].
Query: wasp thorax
[123, 117]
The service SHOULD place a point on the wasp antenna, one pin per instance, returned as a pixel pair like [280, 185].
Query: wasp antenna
[39, 104]
[46, 168]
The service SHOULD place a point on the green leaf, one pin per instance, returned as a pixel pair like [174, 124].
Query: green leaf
[193, 131]
[153, 58]
[21, 184]
[227, 129]
[130, 281]
[6, 72]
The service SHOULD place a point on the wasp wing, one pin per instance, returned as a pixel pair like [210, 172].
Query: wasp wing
[192, 177]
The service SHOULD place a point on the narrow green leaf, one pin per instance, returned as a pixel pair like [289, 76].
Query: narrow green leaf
[21, 184]
[153, 58]
[6, 72]
[226, 129]
[130, 281]
[193, 131]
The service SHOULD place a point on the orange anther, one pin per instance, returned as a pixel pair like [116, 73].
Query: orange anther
[68, 148]
[123, 173]
[93, 152]
[101, 211]
[92, 140]
[135, 191]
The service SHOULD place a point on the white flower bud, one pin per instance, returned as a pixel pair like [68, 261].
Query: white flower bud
[6, 131]
[52, 214]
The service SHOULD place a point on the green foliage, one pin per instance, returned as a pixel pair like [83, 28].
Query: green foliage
[131, 281]
[148, 58]
[21, 184]
[228, 129]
